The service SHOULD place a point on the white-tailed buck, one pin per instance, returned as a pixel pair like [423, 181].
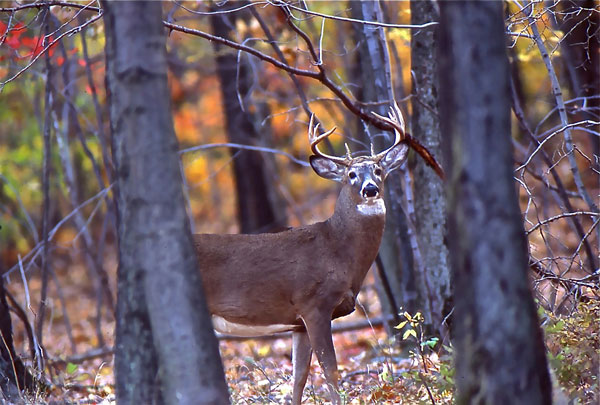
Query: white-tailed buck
[300, 279]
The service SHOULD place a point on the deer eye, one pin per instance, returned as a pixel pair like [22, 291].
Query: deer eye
[378, 172]
[352, 175]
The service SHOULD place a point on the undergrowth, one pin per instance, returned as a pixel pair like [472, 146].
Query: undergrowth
[573, 344]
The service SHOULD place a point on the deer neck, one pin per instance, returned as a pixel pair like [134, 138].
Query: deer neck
[359, 228]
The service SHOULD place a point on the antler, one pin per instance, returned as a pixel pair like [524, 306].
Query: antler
[315, 139]
[395, 120]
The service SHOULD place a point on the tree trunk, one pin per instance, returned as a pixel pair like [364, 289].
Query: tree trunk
[499, 350]
[581, 55]
[163, 326]
[430, 201]
[259, 206]
[395, 251]
[15, 378]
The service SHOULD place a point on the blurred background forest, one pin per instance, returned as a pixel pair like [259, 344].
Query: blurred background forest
[241, 122]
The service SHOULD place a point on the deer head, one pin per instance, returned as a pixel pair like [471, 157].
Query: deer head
[364, 175]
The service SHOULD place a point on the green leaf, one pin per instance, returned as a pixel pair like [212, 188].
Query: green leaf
[431, 342]
[71, 368]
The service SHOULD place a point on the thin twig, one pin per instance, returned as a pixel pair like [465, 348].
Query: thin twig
[100, 122]
[281, 56]
[247, 49]
[558, 131]
[559, 216]
[28, 219]
[33, 253]
[52, 3]
[46, 192]
[46, 48]
[353, 20]
[562, 192]
[246, 147]
[583, 241]
[33, 345]
[80, 358]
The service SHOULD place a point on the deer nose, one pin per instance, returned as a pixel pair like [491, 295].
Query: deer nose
[370, 190]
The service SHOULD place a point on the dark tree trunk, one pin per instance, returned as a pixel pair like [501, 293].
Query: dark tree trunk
[14, 376]
[373, 72]
[164, 330]
[430, 201]
[499, 349]
[259, 206]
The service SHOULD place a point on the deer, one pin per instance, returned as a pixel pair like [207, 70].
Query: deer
[300, 279]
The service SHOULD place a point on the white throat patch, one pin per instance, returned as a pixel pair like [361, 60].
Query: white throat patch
[375, 207]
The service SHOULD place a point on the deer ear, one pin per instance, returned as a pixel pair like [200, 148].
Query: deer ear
[395, 157]
[328, 169]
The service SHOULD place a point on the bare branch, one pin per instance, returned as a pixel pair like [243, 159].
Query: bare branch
[558, 131]
[562, 215]
[280, 55]
[247, 49]
[560, 189]
[46, 167]
[246, 147]
[227, 11]
[47, 47]
[35, 252]
[322, 77]
[353, 20]
[557, 92]
[51, 3]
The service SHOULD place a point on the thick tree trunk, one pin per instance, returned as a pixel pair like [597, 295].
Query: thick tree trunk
[259, 206]
[395, 251]
[499, 350]
[430, 201]
[163, 323]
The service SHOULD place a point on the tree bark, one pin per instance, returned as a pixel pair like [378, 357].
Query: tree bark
[499, 350]
[395, 251]
[163, 323]
[259, 206]
[430, 201]
[581, 55]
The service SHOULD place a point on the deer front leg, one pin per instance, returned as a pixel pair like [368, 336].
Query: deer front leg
[319, 333]
[301, 354]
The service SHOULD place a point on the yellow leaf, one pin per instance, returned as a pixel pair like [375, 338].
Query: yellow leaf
[263, 351]
[410, 332]
[400, 325]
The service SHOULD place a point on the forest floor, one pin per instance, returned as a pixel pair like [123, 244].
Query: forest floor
[373, 367]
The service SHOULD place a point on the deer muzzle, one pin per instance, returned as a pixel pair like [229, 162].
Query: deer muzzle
[370, 190]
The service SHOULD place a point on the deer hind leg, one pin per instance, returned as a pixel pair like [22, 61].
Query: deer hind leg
[301, 354]
[319, 333]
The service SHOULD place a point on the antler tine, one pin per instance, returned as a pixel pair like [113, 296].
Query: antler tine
[396, 120]
[315, 139]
